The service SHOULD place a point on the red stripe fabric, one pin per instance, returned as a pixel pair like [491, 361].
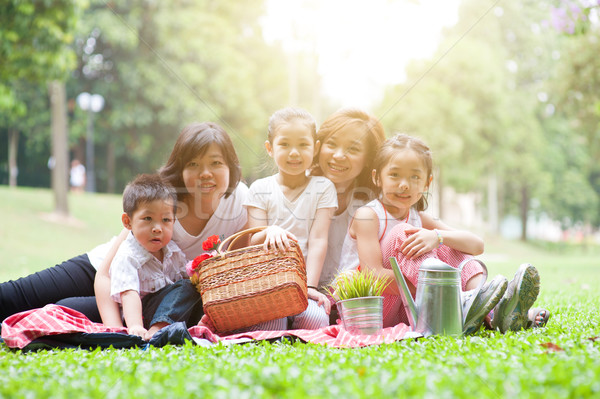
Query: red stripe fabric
[393, 307]
[22, 328]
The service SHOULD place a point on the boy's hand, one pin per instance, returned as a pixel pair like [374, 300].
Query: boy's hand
[137, 330]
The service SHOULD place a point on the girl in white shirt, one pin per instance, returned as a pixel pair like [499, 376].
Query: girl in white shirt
[294, 205]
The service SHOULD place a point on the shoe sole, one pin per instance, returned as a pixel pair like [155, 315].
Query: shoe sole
[512, 309]
[499, 291]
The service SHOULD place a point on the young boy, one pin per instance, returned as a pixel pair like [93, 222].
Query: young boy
[148, 260]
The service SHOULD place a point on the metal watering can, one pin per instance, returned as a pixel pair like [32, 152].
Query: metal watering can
[438, 307]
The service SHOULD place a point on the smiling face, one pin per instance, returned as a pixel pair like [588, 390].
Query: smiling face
[152, 225]
[343, 156]
[402, 181]
[292, 148]
[206, 177]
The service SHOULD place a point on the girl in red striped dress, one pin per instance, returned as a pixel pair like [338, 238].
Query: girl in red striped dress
[395, 224]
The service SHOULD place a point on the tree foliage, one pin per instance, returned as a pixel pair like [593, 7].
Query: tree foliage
[504, 95]
[34, 39]
[34, 49]
[162, 65]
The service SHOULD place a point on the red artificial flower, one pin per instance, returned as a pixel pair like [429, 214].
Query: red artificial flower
[198, 259]
[211, 243]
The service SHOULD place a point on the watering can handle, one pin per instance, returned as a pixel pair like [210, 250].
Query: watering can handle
[485, 270]
[409, 304]
[468, 304]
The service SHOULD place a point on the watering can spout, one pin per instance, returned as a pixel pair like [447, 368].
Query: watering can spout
[409, 303]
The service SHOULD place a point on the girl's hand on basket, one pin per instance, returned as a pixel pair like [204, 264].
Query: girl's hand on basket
[278, 239]
[320, 298]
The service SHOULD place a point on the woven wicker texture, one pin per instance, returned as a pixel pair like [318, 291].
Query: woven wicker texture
[244, 287]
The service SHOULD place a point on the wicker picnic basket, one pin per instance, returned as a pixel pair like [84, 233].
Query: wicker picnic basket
[247, 286]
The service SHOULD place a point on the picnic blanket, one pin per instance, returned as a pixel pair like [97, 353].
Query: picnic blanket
[58, 326]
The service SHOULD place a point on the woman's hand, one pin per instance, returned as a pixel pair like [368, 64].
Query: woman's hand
[418, 242]
[320, 298]
[278, 239]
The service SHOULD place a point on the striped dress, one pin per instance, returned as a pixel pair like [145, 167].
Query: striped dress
[392, 233]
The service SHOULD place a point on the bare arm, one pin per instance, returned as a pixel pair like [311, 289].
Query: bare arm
[317, 245]
[365, 229]
[317, 249]
[256, 218]
[109, 309]
[461, 240]
[132, 312]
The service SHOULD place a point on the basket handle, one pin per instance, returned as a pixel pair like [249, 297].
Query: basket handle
[234, 237]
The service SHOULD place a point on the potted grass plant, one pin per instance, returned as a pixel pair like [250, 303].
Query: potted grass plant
[359, 301]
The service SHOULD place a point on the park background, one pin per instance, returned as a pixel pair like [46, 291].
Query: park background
[506, 92]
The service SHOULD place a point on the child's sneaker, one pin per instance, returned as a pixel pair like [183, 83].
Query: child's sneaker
[511, 313]
[488, 297]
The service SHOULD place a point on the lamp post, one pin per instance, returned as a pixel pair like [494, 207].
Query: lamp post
[92, 103]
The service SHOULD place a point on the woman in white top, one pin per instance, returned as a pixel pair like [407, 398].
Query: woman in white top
[204, 169]
[349, 140]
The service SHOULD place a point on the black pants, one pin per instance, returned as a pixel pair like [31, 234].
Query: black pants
[74, 277]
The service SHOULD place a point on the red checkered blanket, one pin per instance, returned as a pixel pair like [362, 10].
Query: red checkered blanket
[21, 329]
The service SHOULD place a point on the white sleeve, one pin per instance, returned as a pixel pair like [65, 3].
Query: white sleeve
[123, 276]
[258, 195]
[328, 197]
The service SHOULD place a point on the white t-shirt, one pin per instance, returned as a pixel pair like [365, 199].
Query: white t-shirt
[294, 216]
[134, 268]
[78, 175]
[341, 254]
[97, 255]
[229, 218]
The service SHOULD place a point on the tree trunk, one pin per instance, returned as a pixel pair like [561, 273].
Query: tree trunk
[524, 211]
[440, 195]
[110, 167]
[13, 150]
[493, 225]
[60, 172]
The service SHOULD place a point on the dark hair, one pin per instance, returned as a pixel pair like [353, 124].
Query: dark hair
[287, 115]
[400, 142]
[147, 188]
[193, 141]
[353, 119]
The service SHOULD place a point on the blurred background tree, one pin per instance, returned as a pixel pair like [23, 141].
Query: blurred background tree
[509, 101]
[36, 59]
[510, 108]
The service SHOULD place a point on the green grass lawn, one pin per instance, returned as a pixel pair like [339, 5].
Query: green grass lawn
[561, 360]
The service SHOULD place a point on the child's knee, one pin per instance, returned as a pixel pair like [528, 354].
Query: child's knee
[314, 317]
[394, 239]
